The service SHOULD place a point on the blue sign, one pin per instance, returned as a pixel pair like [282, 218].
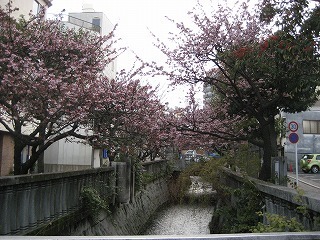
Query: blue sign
[104, 153]
[293, 137]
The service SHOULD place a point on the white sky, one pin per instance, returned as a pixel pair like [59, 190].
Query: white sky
[134, 18]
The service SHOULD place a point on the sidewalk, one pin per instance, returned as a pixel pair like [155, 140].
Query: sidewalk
[308, 185]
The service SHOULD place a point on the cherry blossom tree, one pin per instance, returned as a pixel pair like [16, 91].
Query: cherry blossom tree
[208, 127]
[258, 63]
[50, 79]
[131, 120]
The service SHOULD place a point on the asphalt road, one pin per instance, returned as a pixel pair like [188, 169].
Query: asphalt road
[307, 181]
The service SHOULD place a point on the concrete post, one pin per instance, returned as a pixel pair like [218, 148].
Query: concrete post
[123, 181]
[95, 158]
[279, 170]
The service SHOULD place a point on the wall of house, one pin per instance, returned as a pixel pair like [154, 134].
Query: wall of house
[6, 154]
[67, 155]
[308, 143]
[24, 6]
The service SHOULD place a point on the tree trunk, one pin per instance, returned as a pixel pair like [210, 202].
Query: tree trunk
[18, 147]
[41, 156]
[25, 167]
[269, 150]
[111, 158]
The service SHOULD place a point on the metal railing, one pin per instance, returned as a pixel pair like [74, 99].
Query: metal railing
[84, 24]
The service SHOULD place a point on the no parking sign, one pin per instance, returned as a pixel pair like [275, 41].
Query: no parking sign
[293, 137]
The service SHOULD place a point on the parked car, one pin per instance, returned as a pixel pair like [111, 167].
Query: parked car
[310, 162]
[214, 155]
[193, 156]
[190, 155]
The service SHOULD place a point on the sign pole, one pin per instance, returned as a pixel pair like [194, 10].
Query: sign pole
[294, 138]
[296, 153]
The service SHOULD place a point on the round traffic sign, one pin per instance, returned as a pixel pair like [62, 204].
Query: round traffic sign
[293, 126]
[293, 137]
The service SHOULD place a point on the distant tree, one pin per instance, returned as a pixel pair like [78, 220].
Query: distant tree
[50, 80]
[258, 62]
[201, 127]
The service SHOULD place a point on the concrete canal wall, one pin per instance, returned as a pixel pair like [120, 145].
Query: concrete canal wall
[127, 218]
[50, 204]
[281, 200]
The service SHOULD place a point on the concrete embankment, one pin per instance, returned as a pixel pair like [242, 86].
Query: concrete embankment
[128, 218]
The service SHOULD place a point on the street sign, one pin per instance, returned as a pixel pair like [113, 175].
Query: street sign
[293, 137]
[104, 153]
[293, 126]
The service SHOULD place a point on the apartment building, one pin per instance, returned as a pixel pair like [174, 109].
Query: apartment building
[94, 21]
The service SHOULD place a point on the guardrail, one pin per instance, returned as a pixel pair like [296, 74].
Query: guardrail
[84, 24]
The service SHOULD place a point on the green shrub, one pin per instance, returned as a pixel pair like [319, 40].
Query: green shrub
[277, 223]
[93, 203]
[245, 159]
[142, 177]
[236, 211]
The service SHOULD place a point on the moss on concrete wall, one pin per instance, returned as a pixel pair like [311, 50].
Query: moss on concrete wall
[125, 219]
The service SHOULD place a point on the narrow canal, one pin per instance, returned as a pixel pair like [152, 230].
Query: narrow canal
[185, 219]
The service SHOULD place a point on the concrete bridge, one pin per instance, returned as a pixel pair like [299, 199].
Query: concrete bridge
[48, 204]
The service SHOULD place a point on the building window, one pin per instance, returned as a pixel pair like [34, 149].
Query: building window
[36, 7]
[96, 24]
[311, 126]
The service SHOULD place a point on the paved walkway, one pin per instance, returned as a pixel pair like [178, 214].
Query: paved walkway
[307, 182]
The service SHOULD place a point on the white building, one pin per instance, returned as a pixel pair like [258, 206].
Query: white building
[6, 142]
[94, 21]
[308, 132]
[207, 93]
[25, 6]
[66, 155]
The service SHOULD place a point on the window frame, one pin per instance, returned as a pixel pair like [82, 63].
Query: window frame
[311, 126]
[36, 7]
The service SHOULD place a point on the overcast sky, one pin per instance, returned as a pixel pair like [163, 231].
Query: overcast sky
[134, 18]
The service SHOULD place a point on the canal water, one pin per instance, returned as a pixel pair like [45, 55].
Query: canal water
[184, 219]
